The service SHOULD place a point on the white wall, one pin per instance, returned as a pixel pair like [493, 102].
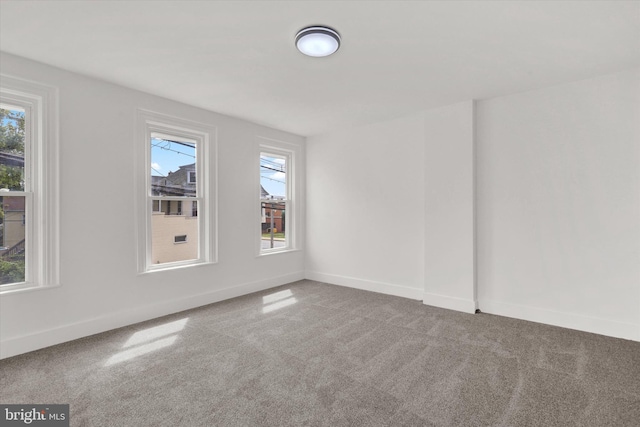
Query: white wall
[557, 221]
[100, 288]
[449, 238]
[365, 204]
[558, 190]
[368, 225]
[557, 200]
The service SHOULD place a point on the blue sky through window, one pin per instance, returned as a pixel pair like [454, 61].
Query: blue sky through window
[15, 111]
[168, 156]
[273, 174]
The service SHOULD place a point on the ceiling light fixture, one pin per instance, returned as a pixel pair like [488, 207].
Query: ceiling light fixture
[317, 41]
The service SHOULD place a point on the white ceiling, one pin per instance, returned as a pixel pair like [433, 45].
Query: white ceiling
[238, 58]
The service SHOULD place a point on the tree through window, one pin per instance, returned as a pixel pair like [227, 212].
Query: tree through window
[12, 195]
[29, 201]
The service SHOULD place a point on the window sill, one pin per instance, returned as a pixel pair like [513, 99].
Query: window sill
[176, 267]
[24, 287]
[278, 251]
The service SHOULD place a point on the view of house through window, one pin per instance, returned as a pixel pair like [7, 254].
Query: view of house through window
[13, 195]
[174, 199]
[273, 201]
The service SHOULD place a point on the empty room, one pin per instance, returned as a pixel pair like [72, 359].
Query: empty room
[319, 213]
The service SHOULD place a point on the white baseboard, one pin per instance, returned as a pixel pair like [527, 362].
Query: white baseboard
[69, 332]
[450, 303]
[612, 328]
[366, 285]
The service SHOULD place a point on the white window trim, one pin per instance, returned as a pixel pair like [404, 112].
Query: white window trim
[149, 122]
[292, 206]
[41, 182]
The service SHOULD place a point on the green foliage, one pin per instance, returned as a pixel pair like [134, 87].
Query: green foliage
[12, 142]
[275, 235]
[11, 177]
[12, 136]
[11, 131]
[11, 272]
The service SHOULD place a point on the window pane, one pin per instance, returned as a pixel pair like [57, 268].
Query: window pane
[273, 196]
[12, 136]
[273, 177]
[274, 224]
[174, 231]
[173, 167]
[12, 239]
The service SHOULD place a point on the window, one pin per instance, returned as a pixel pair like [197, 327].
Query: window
[175, 151]
[28, 186]
[276, 202]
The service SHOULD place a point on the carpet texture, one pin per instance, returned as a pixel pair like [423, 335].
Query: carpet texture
[314, 354]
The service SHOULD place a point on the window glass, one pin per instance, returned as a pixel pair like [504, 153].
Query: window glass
[273, 201]
[29, 198]
[173, 172]
[176, 203]
[12, 207]
[173, 163]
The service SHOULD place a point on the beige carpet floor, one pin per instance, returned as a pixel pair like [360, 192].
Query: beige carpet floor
[312, 354]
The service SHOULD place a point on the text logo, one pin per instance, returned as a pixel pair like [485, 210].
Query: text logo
[34, 415]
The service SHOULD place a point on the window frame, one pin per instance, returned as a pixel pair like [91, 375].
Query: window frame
[41, 188]
[205, 139]
[288, 152]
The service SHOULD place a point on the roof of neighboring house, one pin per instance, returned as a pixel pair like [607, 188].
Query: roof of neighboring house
[175, 183]
[11, 159]
[263, 192]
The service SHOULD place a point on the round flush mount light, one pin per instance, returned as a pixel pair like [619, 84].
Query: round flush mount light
[317, 41]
